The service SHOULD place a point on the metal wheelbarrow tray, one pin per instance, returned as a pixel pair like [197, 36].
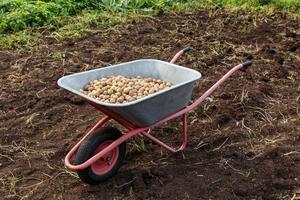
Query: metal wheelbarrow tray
[147, 110]
[100, 153]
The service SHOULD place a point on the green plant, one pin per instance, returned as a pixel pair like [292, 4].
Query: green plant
[17, 15]
[19, 19]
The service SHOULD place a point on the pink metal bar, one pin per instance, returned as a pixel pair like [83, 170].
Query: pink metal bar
[162, 144]
[176, 56]
[157, 141]
[74, 149]
[184, 132]
[113, 145]
[116, 143]
[203, 97]
[214, 87]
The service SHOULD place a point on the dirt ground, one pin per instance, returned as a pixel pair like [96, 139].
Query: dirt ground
[244, 141]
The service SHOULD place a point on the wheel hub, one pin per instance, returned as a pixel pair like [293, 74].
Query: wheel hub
[107, 161]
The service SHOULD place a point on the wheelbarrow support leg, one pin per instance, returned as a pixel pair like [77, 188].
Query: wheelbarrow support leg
[162, 144]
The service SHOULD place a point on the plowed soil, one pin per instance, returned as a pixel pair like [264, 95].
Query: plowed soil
[244, 141]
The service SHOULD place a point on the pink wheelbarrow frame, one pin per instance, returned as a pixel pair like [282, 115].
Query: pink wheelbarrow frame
[134, 130]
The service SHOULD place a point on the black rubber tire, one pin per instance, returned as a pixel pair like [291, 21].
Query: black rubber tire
[89, 146]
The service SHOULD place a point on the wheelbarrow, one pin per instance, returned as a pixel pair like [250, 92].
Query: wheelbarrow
[100, 153]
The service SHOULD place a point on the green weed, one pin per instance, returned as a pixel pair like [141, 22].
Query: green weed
[58, 55]
[25, 39]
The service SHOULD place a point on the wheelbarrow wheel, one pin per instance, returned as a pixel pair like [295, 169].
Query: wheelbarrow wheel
[108, 165]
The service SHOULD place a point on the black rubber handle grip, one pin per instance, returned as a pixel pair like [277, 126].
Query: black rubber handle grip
[247, 64]
[187, 49]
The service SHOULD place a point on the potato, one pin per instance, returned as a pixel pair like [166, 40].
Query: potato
[110, 91]
[120, 89]
[112, 100]
[90, 88]
[126, 90]
[128, 98]
[118, 94]
[132, 92]
[142, 89]
[131, 83]
[161, 86]
[121, 99]
[151, 90]
[86, 88]
[97, 92]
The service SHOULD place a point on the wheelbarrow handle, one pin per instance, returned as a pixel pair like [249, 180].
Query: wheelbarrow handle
[179, 53]
[247, 64]
[244, 65]
[207, 93]
[187, 49]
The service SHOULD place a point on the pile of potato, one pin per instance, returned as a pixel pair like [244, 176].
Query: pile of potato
[120, 89]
